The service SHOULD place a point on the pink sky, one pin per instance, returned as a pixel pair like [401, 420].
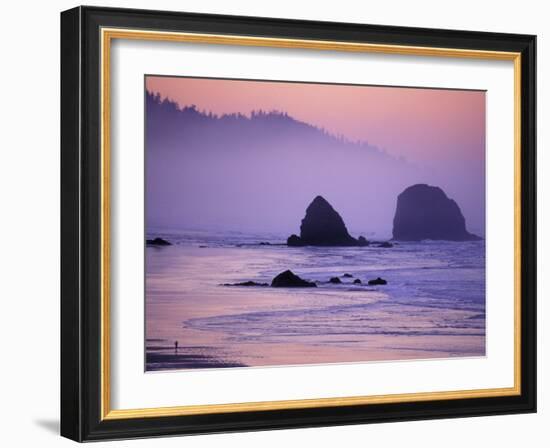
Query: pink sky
[419, 124]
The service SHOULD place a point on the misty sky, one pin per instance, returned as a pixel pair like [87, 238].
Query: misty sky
[440, 133]
[419, 124]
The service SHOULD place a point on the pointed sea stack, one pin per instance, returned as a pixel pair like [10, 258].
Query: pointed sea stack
[323, 226]
[426, 213]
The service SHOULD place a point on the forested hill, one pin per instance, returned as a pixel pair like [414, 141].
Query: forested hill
[259, 172]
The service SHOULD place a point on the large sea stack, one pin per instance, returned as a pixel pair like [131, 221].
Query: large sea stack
[426, 213]
[323, 226]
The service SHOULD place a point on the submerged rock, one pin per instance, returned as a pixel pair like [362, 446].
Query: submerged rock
[158, 242]
[378, 281]
[335, 280]
[424, 212]
[288, 279]
[346, 275]
[386, 244]
[248, 283]
[357, 281]
[323, 226]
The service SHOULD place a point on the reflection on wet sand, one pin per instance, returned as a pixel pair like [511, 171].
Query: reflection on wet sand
[432, 307]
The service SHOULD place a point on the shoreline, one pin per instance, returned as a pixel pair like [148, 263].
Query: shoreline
[182, 359]
[432, 306]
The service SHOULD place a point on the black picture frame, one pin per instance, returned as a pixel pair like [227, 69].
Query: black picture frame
[81, 382]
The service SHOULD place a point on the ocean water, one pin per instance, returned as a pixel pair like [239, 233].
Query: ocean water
[432, 307]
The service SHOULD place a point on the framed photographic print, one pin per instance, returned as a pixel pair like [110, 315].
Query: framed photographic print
[273, 223]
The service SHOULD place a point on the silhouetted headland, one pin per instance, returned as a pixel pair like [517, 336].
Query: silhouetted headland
[323, 226]
[426, 213]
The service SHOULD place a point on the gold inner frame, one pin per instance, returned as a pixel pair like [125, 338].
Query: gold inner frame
[107, 35]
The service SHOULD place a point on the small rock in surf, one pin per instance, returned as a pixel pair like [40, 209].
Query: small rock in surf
[158, 242]
[288, 279]
[248, 283]
[378, 281]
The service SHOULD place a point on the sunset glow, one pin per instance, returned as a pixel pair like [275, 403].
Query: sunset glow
[415, 123]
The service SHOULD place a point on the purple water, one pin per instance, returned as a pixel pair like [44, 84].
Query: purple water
[432, 307]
